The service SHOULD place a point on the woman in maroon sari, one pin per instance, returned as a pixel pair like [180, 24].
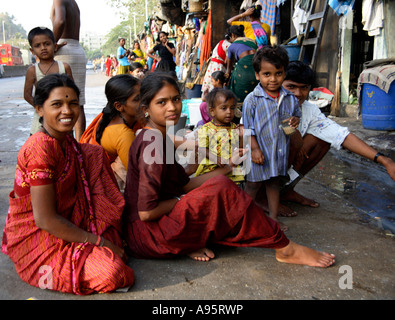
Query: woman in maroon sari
[167, 214]
[64, 222]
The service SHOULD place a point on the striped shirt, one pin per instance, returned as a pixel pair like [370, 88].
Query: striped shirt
[261, 115]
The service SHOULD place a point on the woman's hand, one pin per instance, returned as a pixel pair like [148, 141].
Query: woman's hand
[240, 129]
[248, 12]
[114, 248]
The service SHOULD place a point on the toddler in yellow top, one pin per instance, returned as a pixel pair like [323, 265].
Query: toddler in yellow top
[219, 138]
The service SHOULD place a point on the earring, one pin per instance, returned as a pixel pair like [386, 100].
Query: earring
[146, 115]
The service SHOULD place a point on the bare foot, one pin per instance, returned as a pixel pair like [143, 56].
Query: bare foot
[283, 226]
[293, 196]
[283, 211]
[297, 254]
[202, 255]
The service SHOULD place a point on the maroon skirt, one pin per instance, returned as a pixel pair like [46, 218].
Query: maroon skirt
[218, 212]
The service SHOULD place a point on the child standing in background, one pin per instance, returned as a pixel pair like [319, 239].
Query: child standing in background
[219, 138]
[218, 80]
[42, 45]
[263, 111]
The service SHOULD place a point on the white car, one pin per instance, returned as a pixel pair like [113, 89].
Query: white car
[90, 66]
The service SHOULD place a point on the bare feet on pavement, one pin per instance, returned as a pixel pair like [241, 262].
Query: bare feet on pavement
[202, 255]
[283, 211]
[298, 254]
[293, 196]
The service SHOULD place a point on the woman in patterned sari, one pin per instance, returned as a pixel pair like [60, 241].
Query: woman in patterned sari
[241, 52]
[63, 226]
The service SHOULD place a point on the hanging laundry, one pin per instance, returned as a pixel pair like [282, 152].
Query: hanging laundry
[299, 18]
[246, 4]
[268, 15]
[373, 16]
[341, 6]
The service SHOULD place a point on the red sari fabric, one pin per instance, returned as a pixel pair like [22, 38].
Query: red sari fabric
[217, 212]
[79, 268]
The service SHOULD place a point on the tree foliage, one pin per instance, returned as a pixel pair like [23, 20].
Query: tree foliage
[15, 34]
[130, 11]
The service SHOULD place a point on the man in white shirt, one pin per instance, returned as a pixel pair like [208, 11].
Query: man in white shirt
[317, 135]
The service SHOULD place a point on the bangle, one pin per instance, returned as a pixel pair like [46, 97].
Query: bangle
[376, 156]
[178, 198]
[98, 241]
[101, 242]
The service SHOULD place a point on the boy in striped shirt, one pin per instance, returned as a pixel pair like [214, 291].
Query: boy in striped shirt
[263, 111]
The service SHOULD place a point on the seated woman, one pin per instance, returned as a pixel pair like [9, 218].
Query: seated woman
[167, 214]
[65, 213]
[114, 129]
[242, 50]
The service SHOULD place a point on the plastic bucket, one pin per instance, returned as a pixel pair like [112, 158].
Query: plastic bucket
[293, 52]
[194, 111]
[195, 92]
[378, 108]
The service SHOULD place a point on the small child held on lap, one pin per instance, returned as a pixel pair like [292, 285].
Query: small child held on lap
[220, 138]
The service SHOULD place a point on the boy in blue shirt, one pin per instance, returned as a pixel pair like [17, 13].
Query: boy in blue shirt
[263, 111]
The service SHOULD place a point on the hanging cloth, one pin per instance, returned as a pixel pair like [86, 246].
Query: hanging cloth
[206, 42]
[268, 14]
[341, 6]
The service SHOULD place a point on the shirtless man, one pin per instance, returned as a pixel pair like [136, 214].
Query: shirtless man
[317, 135]
[65, 16]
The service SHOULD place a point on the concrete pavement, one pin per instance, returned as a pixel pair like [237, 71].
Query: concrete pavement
[365, 255]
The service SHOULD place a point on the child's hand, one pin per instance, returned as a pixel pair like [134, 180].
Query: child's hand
[257, 156]
[237, 157]
[294, 122]
[59, 46]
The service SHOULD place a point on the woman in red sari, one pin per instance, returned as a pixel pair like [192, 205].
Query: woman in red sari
[63, 226]
[167, 214]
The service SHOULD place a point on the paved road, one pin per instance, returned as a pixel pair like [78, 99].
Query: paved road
[367, 255]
